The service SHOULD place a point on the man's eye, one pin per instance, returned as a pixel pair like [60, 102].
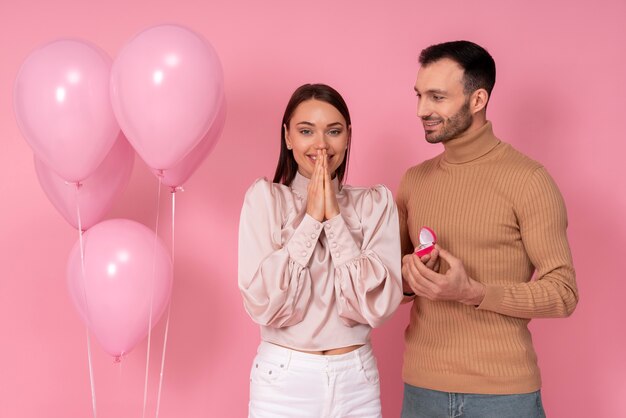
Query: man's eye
[438, 97]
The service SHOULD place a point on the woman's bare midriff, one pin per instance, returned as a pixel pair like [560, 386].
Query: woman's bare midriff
[331, 352]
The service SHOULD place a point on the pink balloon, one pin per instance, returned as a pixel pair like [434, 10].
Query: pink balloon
[166, 89]
[97, 192]
[62, 104]
[180, 173]
[122, 273]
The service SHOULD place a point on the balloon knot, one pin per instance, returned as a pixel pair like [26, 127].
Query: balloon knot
[76, 184]
[175, 189]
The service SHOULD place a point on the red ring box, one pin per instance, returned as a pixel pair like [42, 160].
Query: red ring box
[428, 239]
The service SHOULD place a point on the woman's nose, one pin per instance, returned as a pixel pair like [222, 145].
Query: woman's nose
[321, 142]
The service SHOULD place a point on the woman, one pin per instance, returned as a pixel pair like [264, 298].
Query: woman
[319, 266]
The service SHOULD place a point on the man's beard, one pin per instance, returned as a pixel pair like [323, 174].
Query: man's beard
[452, 127]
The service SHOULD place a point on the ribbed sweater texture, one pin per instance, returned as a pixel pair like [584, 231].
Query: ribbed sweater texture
[502, 215]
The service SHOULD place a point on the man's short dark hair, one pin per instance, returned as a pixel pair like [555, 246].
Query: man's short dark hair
[478, 66]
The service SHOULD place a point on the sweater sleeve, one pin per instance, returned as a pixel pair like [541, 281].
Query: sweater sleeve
[368, 283]
[274, 279]
[543, 225]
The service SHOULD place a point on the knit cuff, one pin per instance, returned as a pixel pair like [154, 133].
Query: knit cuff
[493, 298]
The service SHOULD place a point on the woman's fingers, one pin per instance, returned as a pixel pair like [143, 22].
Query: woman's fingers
[331, 207]
[315, 199]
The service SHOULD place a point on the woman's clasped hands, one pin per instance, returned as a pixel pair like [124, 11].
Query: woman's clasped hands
[321, 200]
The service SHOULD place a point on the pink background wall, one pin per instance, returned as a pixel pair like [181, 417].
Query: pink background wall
[560, 98]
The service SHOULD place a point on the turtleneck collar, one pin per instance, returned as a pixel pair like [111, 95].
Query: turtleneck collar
[471, 145]
[300, 185]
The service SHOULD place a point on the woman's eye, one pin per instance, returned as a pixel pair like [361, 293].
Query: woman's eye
[305, 131]
[334, 132]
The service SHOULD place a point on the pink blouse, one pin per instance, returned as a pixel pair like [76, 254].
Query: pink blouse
[318, 285]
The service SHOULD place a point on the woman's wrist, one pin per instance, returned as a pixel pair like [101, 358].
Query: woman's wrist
[332, 214]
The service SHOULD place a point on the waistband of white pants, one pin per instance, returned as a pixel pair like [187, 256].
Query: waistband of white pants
[336, 361]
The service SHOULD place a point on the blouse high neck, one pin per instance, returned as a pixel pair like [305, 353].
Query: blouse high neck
[300, 185]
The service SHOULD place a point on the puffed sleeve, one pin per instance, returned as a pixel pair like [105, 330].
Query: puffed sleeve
[368, 282]
[273, 276]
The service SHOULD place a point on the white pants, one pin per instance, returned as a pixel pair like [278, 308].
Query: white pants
[290, 384]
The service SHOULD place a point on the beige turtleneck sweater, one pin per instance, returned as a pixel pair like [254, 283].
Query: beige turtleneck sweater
[503, 216]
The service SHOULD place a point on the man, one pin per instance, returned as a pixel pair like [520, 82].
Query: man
[499, 218]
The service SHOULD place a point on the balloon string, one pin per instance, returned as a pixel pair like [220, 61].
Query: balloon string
[82, 266]
[169, 308]
[120, 375]
[156, 235]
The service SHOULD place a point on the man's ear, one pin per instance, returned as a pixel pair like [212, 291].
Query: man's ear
[478, 100]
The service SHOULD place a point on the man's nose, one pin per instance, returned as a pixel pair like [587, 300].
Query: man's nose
[422, 109]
